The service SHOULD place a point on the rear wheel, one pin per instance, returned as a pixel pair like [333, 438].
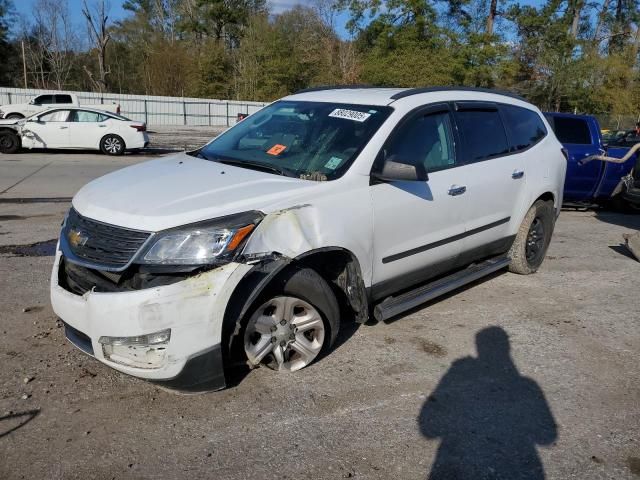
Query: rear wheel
[112, 145]
[293, 323]
[533, 238]
[9, 142]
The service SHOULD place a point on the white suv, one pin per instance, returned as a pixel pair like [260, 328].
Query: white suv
[328, 205]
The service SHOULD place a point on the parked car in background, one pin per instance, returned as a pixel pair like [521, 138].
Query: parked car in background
[73, 128]
[47, 101]
[595, 181]
[626, 138]
[318, 209]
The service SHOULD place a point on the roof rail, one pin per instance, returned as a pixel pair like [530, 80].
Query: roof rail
[416, 91]
[333, 87]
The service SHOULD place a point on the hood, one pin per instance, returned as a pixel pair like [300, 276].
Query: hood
[9, 121]
[182, 189]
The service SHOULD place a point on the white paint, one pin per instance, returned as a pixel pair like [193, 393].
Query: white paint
[370, 221]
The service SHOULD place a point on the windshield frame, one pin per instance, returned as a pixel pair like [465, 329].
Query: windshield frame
[385, 111]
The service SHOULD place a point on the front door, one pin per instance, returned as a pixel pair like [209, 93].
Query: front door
[418, 225]
[50, 130]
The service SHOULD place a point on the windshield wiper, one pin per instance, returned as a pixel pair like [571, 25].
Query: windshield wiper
[256, 166]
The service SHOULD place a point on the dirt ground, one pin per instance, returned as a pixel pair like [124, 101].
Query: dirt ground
[525, 377]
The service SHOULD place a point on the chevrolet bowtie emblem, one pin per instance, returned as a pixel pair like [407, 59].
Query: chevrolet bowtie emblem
[77, 238]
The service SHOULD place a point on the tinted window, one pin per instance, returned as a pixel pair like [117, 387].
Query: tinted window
[571, 130]
[44, 100]
[483, 134]
[56, 116]
[63, 98]
[85, 116]
[525, 127]
[424, 141]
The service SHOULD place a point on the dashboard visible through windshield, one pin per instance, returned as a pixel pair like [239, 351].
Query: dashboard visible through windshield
[309, 140]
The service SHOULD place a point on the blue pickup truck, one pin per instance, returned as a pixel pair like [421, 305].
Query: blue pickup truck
[594, 181]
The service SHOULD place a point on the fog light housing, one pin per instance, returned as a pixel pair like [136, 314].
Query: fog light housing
[143, 351]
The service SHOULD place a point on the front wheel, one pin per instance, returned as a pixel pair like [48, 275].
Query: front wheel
[14, 116]
[112, 145]
[293, 323]
[9, 142]
[533, 238]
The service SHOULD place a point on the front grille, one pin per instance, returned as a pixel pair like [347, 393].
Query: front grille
[101, 243]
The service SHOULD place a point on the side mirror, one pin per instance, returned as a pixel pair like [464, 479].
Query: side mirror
[395, 170]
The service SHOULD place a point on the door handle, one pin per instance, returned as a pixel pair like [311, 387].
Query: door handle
[62, 128]
[517, 174]
[102, 126]
[457, 190]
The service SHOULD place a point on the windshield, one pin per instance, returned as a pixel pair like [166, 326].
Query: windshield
[309, 140]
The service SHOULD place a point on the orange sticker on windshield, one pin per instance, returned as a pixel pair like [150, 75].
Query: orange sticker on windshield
[277, 149]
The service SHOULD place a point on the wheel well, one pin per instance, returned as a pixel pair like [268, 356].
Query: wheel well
[338, 267]
[547, 197]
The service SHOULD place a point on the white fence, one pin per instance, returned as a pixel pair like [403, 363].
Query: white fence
[152, 110]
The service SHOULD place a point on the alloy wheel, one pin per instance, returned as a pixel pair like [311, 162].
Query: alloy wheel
[112, 145]
[286, 333]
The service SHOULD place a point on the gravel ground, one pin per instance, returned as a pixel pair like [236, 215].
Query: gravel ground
[524, 377]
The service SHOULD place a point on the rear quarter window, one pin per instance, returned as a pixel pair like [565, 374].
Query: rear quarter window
[483, 133]
[571, 130]
[525, 127]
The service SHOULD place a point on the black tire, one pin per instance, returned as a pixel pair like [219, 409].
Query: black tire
[532, 240]
[9, 142]
[305, 284]
[14, 116]
[112, 145]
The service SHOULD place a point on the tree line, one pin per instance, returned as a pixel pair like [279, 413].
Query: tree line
[563, 55]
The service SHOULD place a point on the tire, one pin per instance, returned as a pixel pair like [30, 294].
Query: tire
[14, 116]
[112, 145]
[532, 240]
[9, 142]
[292, 323]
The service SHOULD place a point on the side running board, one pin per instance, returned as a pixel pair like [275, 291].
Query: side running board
[392, 306]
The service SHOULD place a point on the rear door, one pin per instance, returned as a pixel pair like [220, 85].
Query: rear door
[581, 141]
[87, 128]
[496, 178]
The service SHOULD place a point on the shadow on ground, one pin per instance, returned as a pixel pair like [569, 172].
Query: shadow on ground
[488, 417]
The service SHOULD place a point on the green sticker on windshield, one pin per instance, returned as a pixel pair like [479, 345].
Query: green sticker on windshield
[333, 163]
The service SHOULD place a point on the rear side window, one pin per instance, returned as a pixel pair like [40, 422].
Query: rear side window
[425, 141]
[84, 116]
[571, 130]
[482, 132]
[525, 127]
[63, 98]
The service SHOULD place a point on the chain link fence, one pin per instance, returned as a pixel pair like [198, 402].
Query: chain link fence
[153, 110]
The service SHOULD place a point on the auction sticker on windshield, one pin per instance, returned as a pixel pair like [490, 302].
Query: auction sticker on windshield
[354, 115]
[277, 149]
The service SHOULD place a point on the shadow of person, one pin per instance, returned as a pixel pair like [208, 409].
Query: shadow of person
[489, 417]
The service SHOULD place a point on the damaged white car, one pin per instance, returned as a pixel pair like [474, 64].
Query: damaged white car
[328, 206]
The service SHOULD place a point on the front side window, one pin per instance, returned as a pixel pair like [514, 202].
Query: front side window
[525, 127]
[44, 100]
[571, 130]
[483, 133]
[425, 141]
[57, 116]
[310, 140]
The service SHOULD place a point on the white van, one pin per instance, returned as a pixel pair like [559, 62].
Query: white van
[327, 206]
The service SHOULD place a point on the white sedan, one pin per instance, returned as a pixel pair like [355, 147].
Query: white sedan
[80, 128]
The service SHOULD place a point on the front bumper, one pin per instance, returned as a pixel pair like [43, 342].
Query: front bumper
[193, 309]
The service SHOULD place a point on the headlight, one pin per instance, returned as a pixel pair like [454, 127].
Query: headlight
[214, 241]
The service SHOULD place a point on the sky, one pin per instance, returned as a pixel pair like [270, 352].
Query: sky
[24, 8]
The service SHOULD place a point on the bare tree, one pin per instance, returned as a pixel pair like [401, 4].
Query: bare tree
[97, 20]
[491, 18]
[577, 11]
[55, 40]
